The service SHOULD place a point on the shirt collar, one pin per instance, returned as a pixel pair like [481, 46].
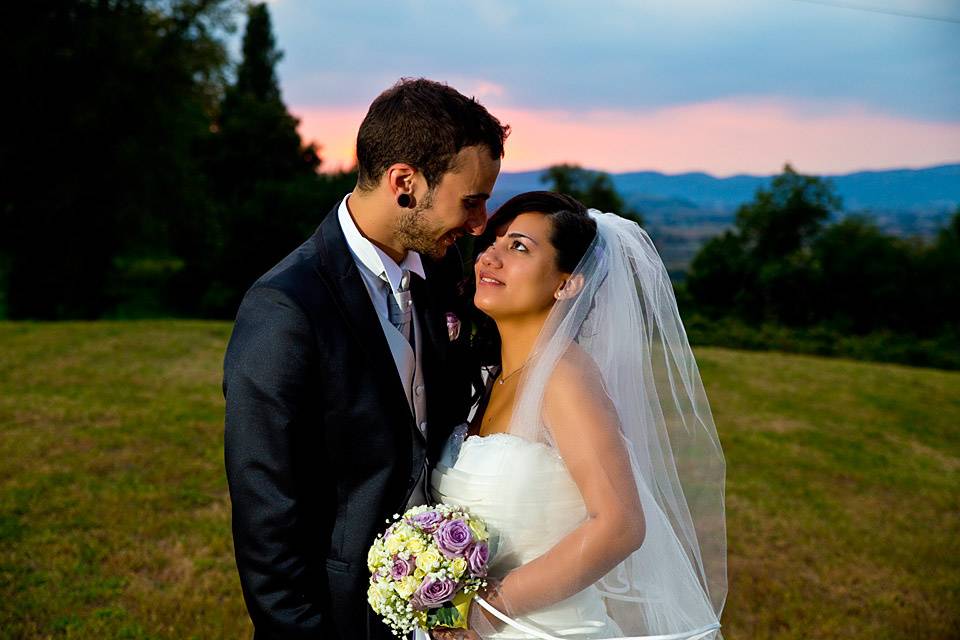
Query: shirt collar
[371, 256]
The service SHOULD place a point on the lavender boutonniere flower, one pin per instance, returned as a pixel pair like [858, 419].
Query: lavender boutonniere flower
[453, 326]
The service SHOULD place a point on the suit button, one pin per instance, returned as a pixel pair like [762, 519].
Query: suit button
[418, 390]
[423, 426]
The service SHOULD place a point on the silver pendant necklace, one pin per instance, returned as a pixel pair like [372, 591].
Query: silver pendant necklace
[511, 374]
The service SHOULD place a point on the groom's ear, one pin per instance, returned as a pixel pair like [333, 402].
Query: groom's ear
[401, 178]
[570, 287]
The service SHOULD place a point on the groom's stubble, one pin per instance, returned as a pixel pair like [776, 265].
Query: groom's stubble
[416, 233]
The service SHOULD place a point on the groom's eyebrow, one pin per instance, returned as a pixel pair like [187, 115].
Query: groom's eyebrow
[478, 196]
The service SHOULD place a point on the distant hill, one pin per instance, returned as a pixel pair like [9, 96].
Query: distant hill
[907, 189]
[683, 210]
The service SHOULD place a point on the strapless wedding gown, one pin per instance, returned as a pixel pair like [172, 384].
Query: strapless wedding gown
[525, 518]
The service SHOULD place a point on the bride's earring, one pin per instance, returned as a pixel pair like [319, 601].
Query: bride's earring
[569, 287]
[558, 294]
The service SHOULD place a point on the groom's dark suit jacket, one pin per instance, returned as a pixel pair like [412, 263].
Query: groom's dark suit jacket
[320, 443]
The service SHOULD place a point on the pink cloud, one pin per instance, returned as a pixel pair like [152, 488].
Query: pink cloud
[720, 137]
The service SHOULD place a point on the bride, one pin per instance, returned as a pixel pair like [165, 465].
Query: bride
[592, 457]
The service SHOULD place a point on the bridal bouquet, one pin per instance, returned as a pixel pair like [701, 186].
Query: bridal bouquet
[426, 567]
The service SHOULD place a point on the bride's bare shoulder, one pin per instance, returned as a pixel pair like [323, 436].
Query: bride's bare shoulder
[576, 405]
[575, 376]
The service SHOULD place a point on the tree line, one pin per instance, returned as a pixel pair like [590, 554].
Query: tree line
[795, 273]
[140, 178]
[145, 175]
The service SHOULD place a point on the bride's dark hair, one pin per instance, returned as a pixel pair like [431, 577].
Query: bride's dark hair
[572, 228]
[572, 231]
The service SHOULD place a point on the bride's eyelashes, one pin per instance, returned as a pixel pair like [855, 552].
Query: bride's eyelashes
[514, 245]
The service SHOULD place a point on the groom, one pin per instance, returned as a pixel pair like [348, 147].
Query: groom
[345, 373]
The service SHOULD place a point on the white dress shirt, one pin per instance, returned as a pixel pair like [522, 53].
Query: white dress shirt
[375, 267]
[373, 261]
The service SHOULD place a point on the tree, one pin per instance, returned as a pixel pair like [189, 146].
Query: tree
[787, 216]
[256, 137]
[593, 188]
[99, 137]
[862, 276]
[764, 269]
[719, 275]
[264, 177]
[937, 300]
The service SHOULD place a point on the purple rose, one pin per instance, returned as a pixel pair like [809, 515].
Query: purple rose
[433, 593]
[453, 538]
[477, 558]
[429, 521]
[401, 568]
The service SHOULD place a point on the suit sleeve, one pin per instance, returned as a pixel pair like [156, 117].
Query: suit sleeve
[265, 375]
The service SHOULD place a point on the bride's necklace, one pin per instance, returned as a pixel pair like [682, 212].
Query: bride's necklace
[511, 374]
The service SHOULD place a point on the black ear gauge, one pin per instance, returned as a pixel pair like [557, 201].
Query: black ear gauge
[404, 200]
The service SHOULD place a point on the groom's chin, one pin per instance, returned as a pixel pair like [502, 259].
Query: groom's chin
[437, 251]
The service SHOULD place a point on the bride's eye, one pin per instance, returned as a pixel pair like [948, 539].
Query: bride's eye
[519, 246]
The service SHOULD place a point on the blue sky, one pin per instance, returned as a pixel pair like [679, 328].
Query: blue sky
[804, 71]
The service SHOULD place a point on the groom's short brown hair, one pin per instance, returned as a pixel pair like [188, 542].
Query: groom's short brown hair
[424, 124]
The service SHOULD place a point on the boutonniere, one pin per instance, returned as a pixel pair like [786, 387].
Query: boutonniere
[453, 326]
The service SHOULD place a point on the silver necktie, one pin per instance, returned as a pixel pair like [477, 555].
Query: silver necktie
[400, 304]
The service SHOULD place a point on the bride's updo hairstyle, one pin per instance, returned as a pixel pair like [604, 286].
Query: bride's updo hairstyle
[572, 232]
[573, 229]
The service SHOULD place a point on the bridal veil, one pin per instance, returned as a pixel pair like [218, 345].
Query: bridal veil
[624, 317]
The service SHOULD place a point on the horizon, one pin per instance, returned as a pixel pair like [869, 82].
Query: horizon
[744, 175]
[334, 130]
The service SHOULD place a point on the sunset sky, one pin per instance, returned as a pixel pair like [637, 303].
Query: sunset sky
[722, 86]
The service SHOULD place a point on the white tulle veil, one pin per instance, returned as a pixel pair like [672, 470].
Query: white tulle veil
[625, 318]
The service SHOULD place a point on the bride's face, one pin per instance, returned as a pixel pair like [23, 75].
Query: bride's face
[517, 274]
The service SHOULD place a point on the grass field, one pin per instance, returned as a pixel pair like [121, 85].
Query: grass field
[843, 493]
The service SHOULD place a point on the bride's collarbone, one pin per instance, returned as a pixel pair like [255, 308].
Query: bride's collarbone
[496, 415]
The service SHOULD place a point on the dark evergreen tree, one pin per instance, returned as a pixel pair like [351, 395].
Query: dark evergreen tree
[257, 138]
[264, 177]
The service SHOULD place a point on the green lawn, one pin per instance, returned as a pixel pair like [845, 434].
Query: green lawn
[842, 495]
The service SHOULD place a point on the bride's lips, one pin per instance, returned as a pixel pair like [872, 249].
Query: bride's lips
[484, 279]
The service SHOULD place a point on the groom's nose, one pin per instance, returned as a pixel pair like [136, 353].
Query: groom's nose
[476, 221]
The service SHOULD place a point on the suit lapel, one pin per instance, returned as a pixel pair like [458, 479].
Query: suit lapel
[431, 319]
[338, 268]
[433, 355]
